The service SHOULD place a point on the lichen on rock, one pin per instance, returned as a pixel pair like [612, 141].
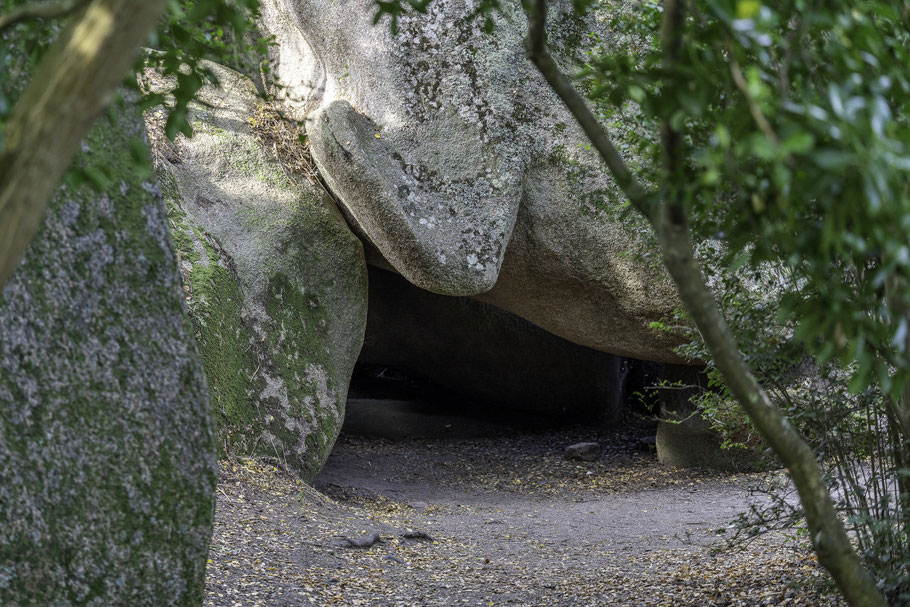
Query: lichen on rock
[275, 282]
[452, 156]
[107, 467]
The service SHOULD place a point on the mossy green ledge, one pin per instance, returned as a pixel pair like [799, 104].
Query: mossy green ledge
[275, 283]
[107, 460]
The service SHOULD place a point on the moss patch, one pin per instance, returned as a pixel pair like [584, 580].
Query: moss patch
[106, 446]
[274, 282]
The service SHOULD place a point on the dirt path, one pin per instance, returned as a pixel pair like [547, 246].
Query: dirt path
[510, 522]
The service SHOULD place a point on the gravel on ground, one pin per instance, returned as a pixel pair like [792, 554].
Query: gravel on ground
[497, 520]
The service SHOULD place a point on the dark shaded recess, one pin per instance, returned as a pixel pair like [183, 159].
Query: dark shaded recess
[479, 355]
[394, 403]
[640, 381]
[684, 438]
[385, 382]
[679, 384]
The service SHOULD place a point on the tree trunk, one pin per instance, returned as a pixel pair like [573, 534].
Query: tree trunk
[72, 86]
[828, 535]
[668, 217]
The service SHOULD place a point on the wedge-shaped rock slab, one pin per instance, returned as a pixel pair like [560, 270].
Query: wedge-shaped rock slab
[445, 233]
[449, 152]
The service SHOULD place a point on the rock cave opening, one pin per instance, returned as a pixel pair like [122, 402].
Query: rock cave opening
[437, 366]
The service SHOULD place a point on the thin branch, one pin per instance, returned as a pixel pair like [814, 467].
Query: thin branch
[39, 11]
[536, 47]
[828, 535]
[674, 387]
[740, 80]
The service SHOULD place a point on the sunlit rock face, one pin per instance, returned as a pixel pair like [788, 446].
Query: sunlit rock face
[275, 281]
[450, 154]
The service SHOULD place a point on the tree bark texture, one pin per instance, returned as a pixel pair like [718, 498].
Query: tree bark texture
[73, 84]
[668, 217]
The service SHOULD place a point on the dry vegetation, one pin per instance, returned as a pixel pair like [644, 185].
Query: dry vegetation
[285, 140]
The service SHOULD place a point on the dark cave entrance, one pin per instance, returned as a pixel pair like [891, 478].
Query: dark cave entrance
[435, 365]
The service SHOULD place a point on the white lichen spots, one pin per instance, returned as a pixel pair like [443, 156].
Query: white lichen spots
[319, 377]
[152, 188]
[320, 407]
[274, 388]
[199, 248]
[69, 212]
[106, 208]
[472, 260]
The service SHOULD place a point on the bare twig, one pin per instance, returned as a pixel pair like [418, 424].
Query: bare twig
[418, 535]
[740, 80]
[673, 387]
[362, 542]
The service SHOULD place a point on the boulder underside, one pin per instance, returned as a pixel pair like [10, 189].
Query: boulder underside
[448, 153]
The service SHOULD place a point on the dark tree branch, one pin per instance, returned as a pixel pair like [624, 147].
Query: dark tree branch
[39, 11]
[671, 224]
[536, 47]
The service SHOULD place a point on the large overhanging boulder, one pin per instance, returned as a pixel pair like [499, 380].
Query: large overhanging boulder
[449, 153]
[275, 280]
[107, 454]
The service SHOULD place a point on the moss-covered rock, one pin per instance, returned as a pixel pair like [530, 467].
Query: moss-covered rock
[107, 467]
[275, 283]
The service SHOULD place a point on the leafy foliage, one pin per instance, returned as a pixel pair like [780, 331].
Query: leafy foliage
[797, 134]
[796, 178]
[797, 181]
[196, 30]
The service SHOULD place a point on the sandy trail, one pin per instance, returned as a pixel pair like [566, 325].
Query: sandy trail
[511, 522]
